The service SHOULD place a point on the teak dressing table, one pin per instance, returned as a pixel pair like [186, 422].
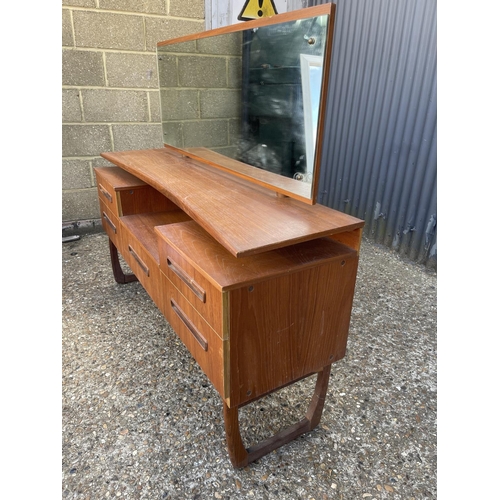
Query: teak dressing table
[257, 283]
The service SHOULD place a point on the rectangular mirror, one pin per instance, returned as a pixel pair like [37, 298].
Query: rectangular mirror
[248, 98]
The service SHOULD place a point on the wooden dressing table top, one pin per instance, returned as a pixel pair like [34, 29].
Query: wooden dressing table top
[244, 218]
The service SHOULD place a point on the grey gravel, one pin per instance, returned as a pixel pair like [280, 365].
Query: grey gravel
[140, 420]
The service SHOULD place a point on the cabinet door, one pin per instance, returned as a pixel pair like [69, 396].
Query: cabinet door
[288, 327]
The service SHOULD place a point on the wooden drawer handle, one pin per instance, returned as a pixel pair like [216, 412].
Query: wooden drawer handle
[139, 260]
[190, 282]
[105, 193]
[189, 325]
[108, 220]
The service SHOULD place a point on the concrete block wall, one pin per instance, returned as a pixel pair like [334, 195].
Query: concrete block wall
[110, 92]
[200, 93]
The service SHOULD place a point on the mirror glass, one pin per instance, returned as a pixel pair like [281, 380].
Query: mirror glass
[248, 100]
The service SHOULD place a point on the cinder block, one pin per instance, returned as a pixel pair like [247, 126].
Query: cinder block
[234, 131]
[71, 110]
[184, 47]
[202, 71]
[187, 8]
[67, 30]
[85, 140]
[134, 27]
[77, 174]
[80, 3]
[229, 44]
[131, 70]
[234, 72]
[102, 105]
[223, 103]
[179, 104]
[143, 136]
[229, 151]
[99, 161]
[149, 7]
[80, 205]
[158, 29]
[172, 134]
[82, 68]
[208, 133]
[167, 70]
[154, 106]
[108, 31]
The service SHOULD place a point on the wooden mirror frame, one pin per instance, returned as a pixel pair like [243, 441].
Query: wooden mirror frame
[283, 186]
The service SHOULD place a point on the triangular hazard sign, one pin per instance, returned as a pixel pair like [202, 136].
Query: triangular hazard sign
[255, 9]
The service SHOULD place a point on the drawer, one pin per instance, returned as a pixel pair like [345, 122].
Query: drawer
[200, 292]
[142, 264]
[110, 223]
[107, 195]
[202, 342]
[125, 194]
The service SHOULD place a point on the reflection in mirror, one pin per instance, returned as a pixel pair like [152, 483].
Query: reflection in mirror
[248, 100]
[311, 68]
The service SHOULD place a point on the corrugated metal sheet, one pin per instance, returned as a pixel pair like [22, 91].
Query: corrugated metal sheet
[379, 152]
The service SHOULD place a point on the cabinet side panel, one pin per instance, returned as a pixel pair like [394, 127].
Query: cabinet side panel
[144, 200]
[289, 327]
[352, 239]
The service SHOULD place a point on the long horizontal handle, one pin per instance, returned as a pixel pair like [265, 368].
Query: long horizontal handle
[189, 325]
[108, 220]
[139, 260]
[105, 193]
[190, 282]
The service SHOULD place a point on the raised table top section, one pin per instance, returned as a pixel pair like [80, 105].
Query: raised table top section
[242, 217]
[226, 272]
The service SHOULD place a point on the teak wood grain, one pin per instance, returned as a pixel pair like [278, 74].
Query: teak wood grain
[243, 219]
[276, 182]
[125, 194]
[184, 320]
[117, 179]
[241, 456]
[317, 10]
[259, 288]
[288, 327]
[288, 309]
[226, 272]
[282, 185]
[142, 226]
[190, 281]
[138, 246]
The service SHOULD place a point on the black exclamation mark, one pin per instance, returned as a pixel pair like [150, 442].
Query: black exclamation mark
[259, 12]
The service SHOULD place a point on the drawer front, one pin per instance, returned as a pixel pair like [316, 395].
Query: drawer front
[124, 194]
[202, 342]
[107, 195]
[110, 223]
[202, 295]
[142, 264]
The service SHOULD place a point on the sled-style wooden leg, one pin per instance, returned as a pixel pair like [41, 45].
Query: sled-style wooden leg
[120, 276]
[240, 456]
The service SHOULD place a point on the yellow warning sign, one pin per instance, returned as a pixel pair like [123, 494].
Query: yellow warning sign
[255, 9]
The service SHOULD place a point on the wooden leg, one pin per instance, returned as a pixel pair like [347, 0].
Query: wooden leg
[120, 276]
[240, 456]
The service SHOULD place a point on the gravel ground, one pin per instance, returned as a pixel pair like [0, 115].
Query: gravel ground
[141, 421]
